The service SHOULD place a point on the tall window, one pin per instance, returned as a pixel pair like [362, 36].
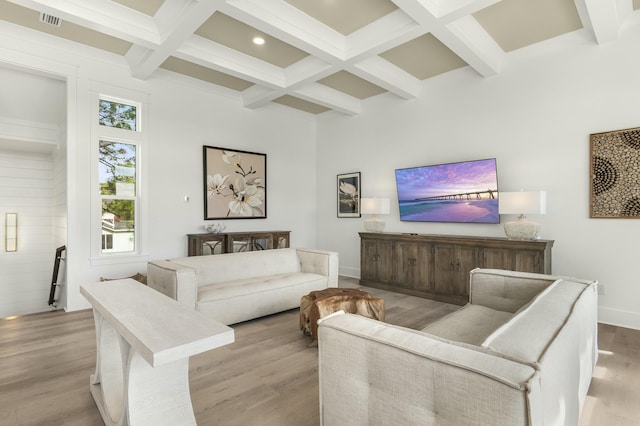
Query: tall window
[118, 175]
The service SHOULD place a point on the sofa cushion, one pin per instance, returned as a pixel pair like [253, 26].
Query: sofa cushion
[231, 289]
[470, 324]
[242, 266]
[528, 333]
[506, 290]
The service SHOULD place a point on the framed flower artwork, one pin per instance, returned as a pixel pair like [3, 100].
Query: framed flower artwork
[349, 195]
[235, 184]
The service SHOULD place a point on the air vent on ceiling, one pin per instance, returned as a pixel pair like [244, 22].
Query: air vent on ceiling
[45, 18]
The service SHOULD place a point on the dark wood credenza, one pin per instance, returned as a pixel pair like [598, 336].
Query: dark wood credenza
[233, 242]
[437, 266]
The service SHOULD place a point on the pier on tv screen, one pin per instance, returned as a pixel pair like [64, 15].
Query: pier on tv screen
[466, 191]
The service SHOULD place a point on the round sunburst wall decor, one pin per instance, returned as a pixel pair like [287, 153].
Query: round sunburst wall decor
[615, 174]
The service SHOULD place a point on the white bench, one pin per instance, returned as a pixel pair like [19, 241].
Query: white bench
[144, 341]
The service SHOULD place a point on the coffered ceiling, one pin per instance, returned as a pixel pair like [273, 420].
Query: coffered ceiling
[318, 55]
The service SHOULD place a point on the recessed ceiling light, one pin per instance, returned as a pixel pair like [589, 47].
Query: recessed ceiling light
[258, 40]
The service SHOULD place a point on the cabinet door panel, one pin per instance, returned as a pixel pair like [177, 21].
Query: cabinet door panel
[239, 243]
[405, 256]
[451, 269]
[211, 246]
[412, 263]
[529, 261]
[368, 259]
[498, 258]
[261, 243]
[280, 240]
[385, 261]
[467, 259]
[444, 269]
[376, 262]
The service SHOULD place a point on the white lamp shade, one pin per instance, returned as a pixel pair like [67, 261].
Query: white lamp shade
[375, 206]
[522, 202]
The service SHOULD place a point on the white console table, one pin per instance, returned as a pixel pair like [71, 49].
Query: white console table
[144, 341]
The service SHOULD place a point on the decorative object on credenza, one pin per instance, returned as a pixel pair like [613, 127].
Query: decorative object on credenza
[349, 195]
[522, 203]
[235, 184]
[615, 173]
[215, 228]
[375, 207]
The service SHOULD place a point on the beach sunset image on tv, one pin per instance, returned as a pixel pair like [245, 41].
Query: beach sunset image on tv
[455, 192]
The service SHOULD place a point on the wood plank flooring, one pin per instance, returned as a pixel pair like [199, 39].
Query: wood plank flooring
[267, 377]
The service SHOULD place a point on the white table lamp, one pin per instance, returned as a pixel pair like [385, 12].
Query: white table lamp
[375, 207]
[522, 203]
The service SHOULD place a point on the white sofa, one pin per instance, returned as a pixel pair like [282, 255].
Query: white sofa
[522, 352]
[236, 287]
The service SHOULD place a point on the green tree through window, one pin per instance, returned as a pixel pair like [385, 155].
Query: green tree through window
[113, 114]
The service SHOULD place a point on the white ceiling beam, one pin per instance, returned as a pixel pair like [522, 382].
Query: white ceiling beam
[364, 46]
[103, 16]
[465, 37]
[178, 26]
[471, 42]
[452, 10]
[329, 98]
[229, 61]
[386, 33]
[386, 75]
[255, 97]
[601, 16]
[258, 96]
[290, 25]
[307, 89]
[308, 70]
[303, 72]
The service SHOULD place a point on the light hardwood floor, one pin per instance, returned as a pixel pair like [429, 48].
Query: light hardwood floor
[267, 377]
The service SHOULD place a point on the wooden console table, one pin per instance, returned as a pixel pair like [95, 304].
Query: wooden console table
[437, 266]
[232, 242]
[144, 341]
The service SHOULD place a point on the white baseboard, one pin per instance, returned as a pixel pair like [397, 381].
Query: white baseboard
[618, 317]
[349, 272]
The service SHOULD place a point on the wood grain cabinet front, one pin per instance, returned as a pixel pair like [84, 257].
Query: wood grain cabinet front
[233, 242]
[413, 268]
[452, 263]
[376, 260]
[438, 266]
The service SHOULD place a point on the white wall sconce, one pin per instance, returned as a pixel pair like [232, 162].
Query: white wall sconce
[11, 232]
[522, 203]
[374, 206]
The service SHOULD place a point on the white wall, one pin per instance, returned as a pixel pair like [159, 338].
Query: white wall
[25, 189]
[182, 118]
[535, 117]
[32, 112]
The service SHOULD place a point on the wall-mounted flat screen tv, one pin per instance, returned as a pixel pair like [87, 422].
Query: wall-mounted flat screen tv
[455, 192]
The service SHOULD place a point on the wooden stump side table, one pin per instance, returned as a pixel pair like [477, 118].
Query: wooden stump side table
[319, 304]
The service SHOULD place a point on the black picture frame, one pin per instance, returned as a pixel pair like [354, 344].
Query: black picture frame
[348, 191]
[235, 184]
